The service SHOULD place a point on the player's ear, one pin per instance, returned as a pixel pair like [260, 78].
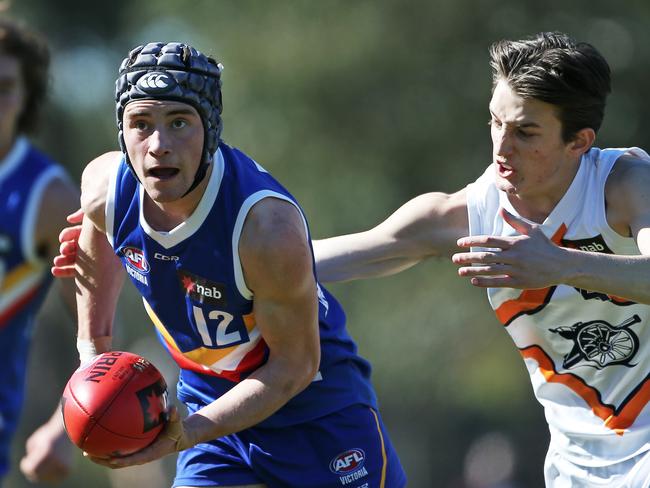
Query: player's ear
[582, 141]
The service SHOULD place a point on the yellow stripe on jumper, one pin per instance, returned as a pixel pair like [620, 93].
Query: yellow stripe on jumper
[200, 355]
[18, 274]
[382, 484]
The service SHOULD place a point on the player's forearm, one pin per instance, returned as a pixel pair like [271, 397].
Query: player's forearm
[621, 276]
[99, 279]
[249, 402]
[352, 257]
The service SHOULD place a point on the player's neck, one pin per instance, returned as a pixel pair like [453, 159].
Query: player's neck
[165, 216]
[537, 206]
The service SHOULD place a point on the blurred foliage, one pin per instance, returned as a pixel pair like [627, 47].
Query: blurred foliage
[356, 106]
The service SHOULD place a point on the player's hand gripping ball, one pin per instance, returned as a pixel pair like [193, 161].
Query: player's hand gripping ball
[115, 405]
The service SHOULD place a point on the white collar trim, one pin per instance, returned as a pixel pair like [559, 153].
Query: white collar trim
[185, 229]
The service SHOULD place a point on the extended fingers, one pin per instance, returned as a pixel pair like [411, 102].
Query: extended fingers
[63, 267]
[64, 263]
[121, 462]
[479, 257]
[493, 281]
[492, 270]
[495, 242]
[75, 217]
[515, 222]
[70, 234]
[68, 248]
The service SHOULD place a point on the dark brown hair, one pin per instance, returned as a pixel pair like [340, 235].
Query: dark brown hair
[552, 67]
[33, 54]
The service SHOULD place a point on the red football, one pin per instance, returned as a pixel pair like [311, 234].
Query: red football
[115, 405]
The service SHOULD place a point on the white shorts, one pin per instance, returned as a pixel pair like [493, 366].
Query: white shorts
[631, 473]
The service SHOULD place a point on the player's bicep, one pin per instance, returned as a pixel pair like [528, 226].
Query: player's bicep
[628, 195]
[277, 263]
[94, 186]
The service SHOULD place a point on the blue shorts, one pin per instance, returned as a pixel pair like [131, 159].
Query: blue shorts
[348, 448]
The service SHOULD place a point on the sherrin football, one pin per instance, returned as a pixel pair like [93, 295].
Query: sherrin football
[115, 405]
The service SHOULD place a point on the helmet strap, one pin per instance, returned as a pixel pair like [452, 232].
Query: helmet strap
[199, 176]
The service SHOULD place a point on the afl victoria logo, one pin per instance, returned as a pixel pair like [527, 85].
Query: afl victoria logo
[156, 82]
[347, 462]
[135, 259]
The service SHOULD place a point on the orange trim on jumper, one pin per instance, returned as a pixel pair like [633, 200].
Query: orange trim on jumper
[529, 301]
[618, 422]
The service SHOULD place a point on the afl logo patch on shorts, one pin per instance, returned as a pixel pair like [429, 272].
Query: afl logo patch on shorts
[156, 82]
[347, 462]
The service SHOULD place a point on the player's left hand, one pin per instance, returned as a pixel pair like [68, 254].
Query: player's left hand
[528, 261]
[49, 454]
[172, 438]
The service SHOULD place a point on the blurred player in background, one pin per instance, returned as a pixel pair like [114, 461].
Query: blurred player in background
[35, 196]
[220, 252]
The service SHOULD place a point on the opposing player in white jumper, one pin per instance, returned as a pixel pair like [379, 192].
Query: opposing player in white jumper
[558, 231]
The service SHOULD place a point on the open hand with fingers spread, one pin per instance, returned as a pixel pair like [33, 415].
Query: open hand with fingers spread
[528, 261]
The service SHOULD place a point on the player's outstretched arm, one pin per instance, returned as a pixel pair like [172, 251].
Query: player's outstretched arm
[425, 226]
[277, 265]
[530, 260]
[99, 274]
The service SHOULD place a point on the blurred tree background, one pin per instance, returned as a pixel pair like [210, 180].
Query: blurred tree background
[356, 106]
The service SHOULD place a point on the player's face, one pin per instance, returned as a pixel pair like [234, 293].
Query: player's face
[12, 100]
[531, 161]
[164, 140]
